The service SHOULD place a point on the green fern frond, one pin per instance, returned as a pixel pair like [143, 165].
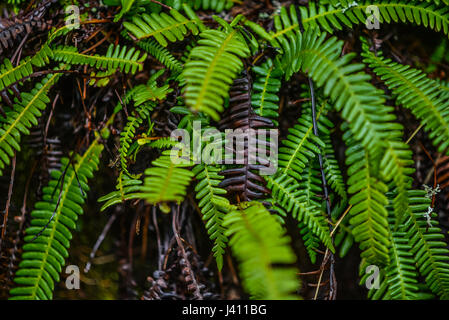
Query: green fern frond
[288, 194]
[122, 58]
[212, 66]
[160, 53]
[10, 74]
[129, 131]
[331, 168]
[213, 206]
[299, 147]
[215, 5]
[428, 247]
[413, 90]
[125, 186]
[368, 200]
[166, 180]
[259, 243]
[331, 18]
[22, 117]
[44, 257]
[266, 86]
[164, 27]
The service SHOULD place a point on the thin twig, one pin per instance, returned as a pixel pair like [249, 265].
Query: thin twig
[8, 201]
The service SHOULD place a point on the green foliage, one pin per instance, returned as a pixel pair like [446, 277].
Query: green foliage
[298, 148]
[166, 180]
[413, 90]
[368, 200]
[428, 247]
[212, 66]
[164, 27]
[288, 194]
[161, 54]
[22, 117]
[266, 86]
[259, 242]
[48, 237]
[117, 57]
[10, 74]
[330, 18]
[213, 206]
[125, 187]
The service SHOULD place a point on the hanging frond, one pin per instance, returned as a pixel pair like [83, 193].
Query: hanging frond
[164, 27]
[126, 185]
[48, 238]
[117, 57]
[368, 200]
[261, 247]
[413, 90]
[213, 206]
[166, 180]
[211, 68]
[288, 194]
[20, 119]
[428, 247]
[266, 86]
[331, 18]
[161, 54]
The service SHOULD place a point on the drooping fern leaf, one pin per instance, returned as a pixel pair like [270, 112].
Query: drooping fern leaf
[211, 68]
[288, 194]
[428, 247]
[331, 18]
[43, 257]
[416, 92]
[266, 86]
[20, 119]
[260, 245]
[126, 185]
[368, 200]
[164, 27]
[117, 57]
[166, 180]
[213, 206]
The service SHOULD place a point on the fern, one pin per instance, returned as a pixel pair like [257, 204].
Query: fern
[368, 200]
[20, 119]
[213, 206]
[259, 242]
[429, 250]
[125, 187]
[161, 54]
[122, 58]
[10, 74]
[330, 18]
[299, 147]
[266, 86]
[288, 195]
[164, 27]
[166, 180]
[212, 66]
[44, 256]
[416, 92]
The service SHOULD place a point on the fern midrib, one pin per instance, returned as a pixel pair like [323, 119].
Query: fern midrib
[360, 7]
[168, 28]
[121, 61]
[209, 73]
[42, 90]
[264, 92]
[58, 212]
